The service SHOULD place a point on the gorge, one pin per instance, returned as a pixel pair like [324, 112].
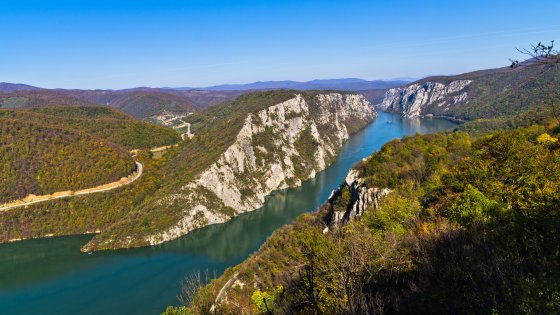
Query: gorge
[138, 281]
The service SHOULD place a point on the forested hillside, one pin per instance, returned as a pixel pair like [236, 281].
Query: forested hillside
[40, 159]
[490, 94]
[216, 130]
[38, 98]
[49, 149]
[141, 103]
[102, 122]
[511, 92]
[144, 105]
[298, 134]
[471, 226]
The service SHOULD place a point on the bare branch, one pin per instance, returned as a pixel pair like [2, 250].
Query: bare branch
[539, 54]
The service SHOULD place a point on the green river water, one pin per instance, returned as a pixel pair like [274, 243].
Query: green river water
[51, 276]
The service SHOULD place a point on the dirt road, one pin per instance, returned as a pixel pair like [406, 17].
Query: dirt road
[31, 199]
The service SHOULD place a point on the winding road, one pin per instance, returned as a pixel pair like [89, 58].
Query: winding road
[65, 194]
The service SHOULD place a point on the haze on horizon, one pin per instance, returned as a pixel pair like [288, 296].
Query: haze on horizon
[123, 44]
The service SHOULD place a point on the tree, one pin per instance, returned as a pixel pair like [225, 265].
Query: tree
[539, 54]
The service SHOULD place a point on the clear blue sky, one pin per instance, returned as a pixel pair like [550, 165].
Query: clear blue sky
[120, 44]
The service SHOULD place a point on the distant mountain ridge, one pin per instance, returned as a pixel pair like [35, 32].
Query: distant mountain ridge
[350, 84]
[146, 102]
[139, 102]
[13, 87]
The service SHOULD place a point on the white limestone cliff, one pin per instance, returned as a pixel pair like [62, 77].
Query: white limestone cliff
[362, 198]
[414, 99]
[250, 169]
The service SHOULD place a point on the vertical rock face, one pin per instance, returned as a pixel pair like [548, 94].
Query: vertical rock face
[415, 99]
[277, 147]
[361, 198]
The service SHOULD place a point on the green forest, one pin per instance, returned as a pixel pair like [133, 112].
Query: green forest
[215, 129]
[44, 150]
[50, 149]
[471, 226]
[511, 92]
[39, 159]
[130, 213]
[101, 122]
[88, 213]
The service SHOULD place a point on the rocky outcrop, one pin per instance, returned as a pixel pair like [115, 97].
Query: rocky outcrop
[426, 98]
[277, 147]
[361, 198]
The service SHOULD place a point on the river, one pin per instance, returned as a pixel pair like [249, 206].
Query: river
[51, 275]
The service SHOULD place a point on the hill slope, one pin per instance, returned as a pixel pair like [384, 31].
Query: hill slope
[445, 223]
[39, 159]
[241, 152]
[38, 98]
[12, 87]
[141, 103]
[482, 94]
[102, 122]
[442, 223]
[275, 139]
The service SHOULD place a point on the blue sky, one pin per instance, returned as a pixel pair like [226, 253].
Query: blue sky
[121, 44]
